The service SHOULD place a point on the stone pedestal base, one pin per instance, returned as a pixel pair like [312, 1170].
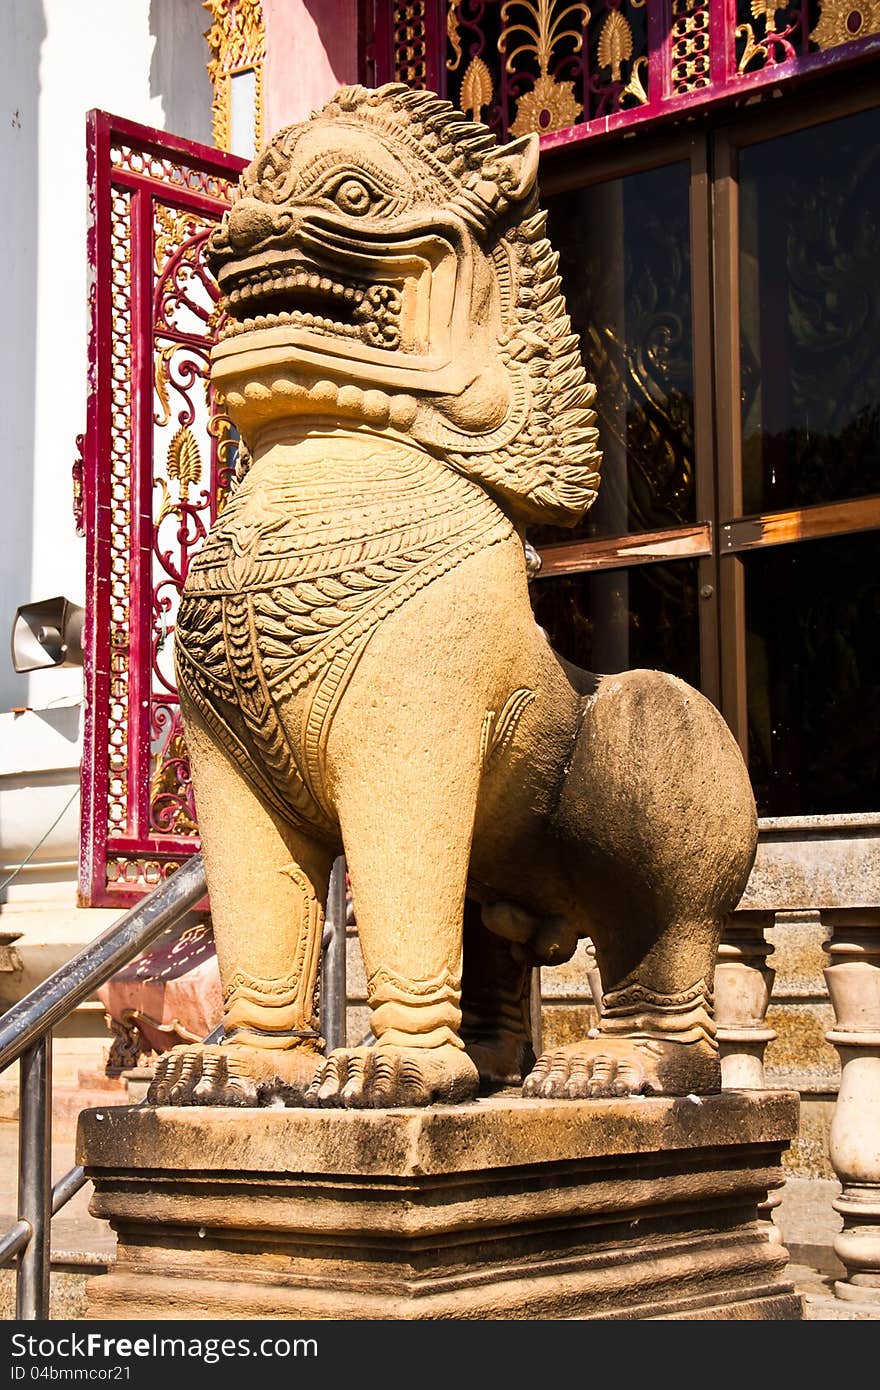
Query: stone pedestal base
[506, 1208]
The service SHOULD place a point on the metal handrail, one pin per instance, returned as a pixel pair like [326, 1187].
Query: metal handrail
[38, 1012]
[26, 1035]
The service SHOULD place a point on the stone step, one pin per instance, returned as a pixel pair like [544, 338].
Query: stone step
[68, 1100]
[71, 1269]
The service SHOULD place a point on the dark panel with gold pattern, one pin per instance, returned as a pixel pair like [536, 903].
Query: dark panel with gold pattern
[574, 69]
[545, 65]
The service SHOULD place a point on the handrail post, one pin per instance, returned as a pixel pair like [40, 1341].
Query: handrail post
[35, 1180]
[334, 985]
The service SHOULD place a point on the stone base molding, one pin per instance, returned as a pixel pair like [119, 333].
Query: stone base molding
[634, 1208]
[853, 976]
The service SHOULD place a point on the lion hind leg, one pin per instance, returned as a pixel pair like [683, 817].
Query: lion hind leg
[660, 819]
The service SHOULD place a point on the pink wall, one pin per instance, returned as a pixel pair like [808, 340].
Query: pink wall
[311, 49]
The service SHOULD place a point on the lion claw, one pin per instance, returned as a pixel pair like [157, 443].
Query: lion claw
[379, 1077]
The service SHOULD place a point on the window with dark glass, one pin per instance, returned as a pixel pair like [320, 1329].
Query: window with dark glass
[803, 617]
[632, 311]
[621, 589]
[812, 615]
[809, 233]
[617, 619]
[774, 588]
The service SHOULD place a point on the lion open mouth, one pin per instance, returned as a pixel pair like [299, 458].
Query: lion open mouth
[305, 297]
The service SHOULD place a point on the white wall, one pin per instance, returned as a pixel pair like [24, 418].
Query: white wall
[144, 59]
[22, 28]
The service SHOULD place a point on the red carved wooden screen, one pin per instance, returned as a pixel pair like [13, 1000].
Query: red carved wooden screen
[571, 69]
[158, 454]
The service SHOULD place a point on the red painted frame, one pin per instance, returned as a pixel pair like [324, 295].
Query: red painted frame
[184, 176]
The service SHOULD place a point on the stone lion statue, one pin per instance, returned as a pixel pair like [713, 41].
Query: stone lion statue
[359, 665]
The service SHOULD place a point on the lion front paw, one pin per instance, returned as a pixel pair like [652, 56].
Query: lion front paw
[227, 1075]
[387, 1077]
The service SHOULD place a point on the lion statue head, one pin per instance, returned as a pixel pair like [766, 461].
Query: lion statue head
[385, 265]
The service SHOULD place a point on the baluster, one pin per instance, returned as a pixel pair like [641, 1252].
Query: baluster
[743, 985]
[853, 976]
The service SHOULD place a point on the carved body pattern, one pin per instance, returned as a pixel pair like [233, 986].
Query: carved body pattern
[359, 666]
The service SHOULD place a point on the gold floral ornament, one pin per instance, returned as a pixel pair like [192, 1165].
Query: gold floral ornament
[172, 228]
[453, 35]
[764, 13]
[165, 787]
[615, 43]
[615, 47]
[184, 467]
[840, 21]
[543, 26]
[476, 89]
[233, 458]
[635, 87]
[161, 373]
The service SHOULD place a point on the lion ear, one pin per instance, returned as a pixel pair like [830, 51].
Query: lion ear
[514, 167]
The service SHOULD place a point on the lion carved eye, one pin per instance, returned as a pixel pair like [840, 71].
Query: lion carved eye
[350, 190]
[353, 197]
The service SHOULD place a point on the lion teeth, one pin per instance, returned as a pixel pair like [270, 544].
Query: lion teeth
[370, 313]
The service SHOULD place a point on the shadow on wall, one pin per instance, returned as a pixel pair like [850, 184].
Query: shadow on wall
[178, 75]
[337, 25]
[22, 31]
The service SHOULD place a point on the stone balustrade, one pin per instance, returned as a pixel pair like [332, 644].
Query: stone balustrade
[827, 868]
[853, 976]
[743, 992]
[743, 986]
